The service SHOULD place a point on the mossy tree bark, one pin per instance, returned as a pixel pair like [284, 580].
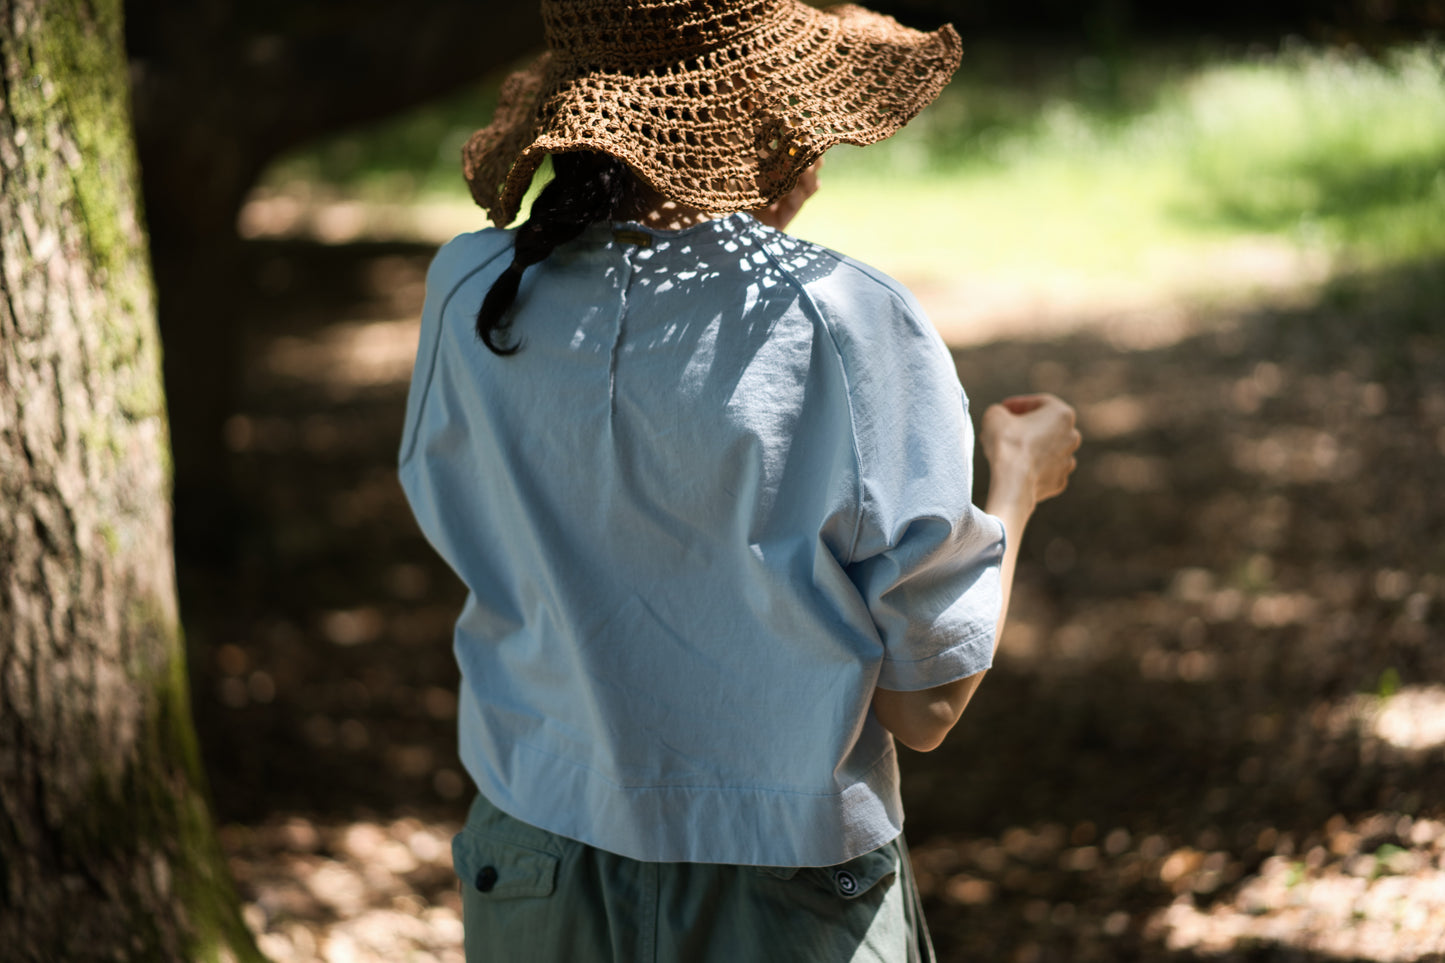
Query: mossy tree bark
[107, 850]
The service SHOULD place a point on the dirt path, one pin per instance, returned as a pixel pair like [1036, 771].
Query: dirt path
[1216, 731]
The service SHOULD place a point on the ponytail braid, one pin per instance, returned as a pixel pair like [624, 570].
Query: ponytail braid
[587, 187]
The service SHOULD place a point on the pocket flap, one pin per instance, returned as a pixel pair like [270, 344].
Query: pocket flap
[503, 869]
[850, 879]
[860, 874]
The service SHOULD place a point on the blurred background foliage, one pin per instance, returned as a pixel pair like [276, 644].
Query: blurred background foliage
[1083, 160]
[1107, 22]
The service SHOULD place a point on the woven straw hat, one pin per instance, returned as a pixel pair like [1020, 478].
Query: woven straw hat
[718, 104]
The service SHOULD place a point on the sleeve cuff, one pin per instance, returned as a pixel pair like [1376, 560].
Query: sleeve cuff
[972, 655]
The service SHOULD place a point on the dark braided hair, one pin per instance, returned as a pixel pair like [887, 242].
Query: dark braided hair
[587, 187]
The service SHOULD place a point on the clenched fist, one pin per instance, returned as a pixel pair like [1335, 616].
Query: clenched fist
[1029, 441]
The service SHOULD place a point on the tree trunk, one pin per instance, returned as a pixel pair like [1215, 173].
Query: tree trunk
[107, 850]
[221, 88]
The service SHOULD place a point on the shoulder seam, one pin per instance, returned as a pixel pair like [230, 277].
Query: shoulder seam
[446, 301]
[822, 320]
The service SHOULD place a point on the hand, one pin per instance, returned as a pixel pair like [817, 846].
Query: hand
[781, 212]
[1029, 441]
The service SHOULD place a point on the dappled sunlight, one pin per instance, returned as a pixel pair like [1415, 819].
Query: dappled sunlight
[348, 355]
[348, 891]
[1297, 455]
[298, 211]
[1131, 473]
[1411, 719]
[319, 434]
[1216, 725]
[1226, 632]
[1373, 889]
[1113, 417]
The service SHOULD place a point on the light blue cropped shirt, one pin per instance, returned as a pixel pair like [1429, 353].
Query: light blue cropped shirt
[723, 491]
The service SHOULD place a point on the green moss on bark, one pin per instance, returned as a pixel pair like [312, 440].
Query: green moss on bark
[202, 882]
[79, 61]
[133, 869]
[152, 815]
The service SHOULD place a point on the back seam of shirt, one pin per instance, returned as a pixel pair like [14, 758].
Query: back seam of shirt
[622, 298]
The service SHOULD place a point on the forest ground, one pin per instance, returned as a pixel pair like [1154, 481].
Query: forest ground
[1216, 730]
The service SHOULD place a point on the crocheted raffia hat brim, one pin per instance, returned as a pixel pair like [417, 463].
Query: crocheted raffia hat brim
[730, 127]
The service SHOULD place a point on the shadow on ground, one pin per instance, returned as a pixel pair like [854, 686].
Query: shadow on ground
[1250, 556]
[1222, 692]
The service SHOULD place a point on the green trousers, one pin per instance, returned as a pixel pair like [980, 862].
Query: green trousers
[530, 896]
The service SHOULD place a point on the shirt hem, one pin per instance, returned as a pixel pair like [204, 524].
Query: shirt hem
[692, 824]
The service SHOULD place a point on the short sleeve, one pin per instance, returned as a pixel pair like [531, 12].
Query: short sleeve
[925, 559]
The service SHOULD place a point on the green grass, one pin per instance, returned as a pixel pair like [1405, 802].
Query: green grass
[1321, 150]
[1070, 162]
[413, 156]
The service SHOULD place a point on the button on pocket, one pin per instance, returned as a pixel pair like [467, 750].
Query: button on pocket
[502, 869]
[848, 880]
[859, 875]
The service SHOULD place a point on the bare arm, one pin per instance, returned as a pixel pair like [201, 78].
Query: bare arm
[1030, 443]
